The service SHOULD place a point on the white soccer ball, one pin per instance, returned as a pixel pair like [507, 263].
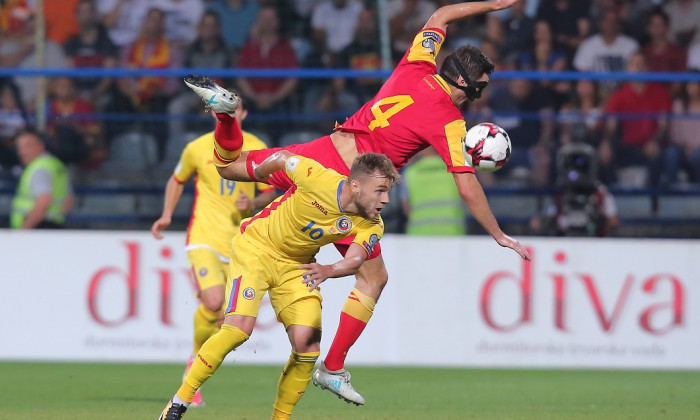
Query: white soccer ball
[486, 147]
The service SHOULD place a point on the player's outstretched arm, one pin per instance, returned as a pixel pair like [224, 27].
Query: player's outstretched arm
[173, 191]
[473, 196]
[316, 273]
[454, 12]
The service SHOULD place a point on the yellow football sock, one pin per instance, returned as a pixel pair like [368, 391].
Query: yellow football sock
[209, 358]
[359, 305]
[293, 382]
[204, 326]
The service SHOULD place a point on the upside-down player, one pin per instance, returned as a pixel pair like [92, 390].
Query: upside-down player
[219, 206]
[280, 243]
[415, 108]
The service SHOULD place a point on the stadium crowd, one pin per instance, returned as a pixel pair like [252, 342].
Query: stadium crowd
[642, 131]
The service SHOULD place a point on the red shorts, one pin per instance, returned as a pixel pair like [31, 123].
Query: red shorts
[322, 151]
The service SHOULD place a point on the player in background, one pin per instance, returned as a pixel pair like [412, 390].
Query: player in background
[415, 108]
[219, 206]
[280, 243]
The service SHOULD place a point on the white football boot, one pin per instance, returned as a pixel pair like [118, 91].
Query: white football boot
[214, 96]
[338, 382]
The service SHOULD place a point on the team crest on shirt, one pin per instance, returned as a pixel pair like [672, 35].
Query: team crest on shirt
[373, 240]
[203, 271]
[429, 43]
[344, 224]
[248, 293]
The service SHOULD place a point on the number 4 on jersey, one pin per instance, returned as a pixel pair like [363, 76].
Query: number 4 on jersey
[381, 118]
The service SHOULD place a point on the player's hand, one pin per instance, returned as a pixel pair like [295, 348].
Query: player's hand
[314, 275]
[508, 242]
[159, 226]
[243, 202]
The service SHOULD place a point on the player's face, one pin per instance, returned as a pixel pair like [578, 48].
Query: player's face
[371, 194]
[460, 99]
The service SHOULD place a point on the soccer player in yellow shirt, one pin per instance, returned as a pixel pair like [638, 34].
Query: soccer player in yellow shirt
[219, 206]
[281, 241]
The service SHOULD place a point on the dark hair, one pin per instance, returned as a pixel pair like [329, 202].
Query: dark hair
[659, 11]
[369, 163]
[475, 63]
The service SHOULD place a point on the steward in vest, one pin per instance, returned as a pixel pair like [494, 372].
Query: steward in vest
[432, 203]
[44, 194]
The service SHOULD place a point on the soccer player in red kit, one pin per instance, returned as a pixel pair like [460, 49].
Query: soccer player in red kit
[415, 108]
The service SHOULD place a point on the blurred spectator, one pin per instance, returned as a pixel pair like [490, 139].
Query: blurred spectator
[363, 54]
[684, 150]
[519, 31]
[13, 15]
[542, 55]
[640, 137]
[267, 49]
[526, 114]
[237, 17]
[406, 19]
[74, 137]
[430, 198]
[19, 52]
[91, 48]
[606, 51]
[208, 51]
[636, 19]
[582, 205]
[569, 22]
[661, 54]
[151, 50]
[123, 19]
[694, 57]
[334, 21]
[684, 17]
[60, 20]
[580, 118]
[44, 195]
[12, 122]
[181, 19]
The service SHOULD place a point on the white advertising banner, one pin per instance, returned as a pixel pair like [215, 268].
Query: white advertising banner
[609, 303]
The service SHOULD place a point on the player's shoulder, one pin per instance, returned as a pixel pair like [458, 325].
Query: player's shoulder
[252, 142]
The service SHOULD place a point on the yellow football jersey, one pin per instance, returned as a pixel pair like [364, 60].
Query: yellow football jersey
[215, 219]
[308, 216]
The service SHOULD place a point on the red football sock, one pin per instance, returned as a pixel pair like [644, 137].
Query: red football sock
[228, 137]
[348, 332]
[356, 313]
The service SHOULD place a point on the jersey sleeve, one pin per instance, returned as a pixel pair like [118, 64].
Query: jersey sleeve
[303, 171]
[368, 234]
[448, 144]
[186, 166]
[262, 187]
[425, 47]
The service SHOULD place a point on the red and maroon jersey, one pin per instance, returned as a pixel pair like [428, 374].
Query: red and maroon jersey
[413, 110]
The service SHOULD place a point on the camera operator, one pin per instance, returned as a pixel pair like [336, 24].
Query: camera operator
[581, 205]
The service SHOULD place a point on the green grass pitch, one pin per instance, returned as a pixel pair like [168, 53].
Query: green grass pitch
[82, 391]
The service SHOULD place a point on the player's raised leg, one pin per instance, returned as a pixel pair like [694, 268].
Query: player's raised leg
[357, 311]
[228, 135]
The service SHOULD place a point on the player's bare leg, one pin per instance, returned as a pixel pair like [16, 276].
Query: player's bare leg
[371, 279]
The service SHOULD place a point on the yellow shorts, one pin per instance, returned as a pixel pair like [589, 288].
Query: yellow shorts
[252, 273]
[207, 268]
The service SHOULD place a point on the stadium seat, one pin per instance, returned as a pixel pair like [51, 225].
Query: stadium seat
[151, 205]
[302, 136]
[175, 145]
[679, 206]
[525, 206]
[106, 205]
[633, 206]
[132, 157]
